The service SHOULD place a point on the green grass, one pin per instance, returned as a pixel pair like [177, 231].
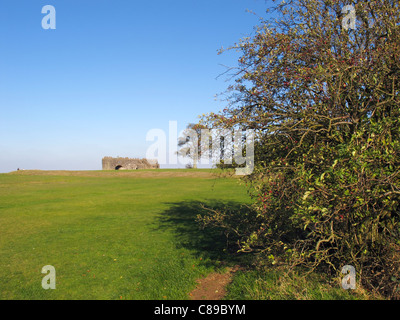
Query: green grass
[278, 284]
[108, 236]
[129, 235]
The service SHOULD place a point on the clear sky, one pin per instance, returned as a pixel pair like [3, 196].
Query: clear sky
[110, 72]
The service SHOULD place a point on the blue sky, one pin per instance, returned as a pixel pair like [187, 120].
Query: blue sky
[109, 73]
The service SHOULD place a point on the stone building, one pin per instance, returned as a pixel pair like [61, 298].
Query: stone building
[110, 163]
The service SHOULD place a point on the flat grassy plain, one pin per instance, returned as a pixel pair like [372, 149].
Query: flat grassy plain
[115, 235]
[109, 234]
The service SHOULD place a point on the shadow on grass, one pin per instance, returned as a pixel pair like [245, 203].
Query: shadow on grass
[210, 242]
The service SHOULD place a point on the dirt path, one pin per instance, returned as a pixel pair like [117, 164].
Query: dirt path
[213, 287]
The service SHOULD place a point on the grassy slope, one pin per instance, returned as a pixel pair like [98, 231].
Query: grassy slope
[109, 235]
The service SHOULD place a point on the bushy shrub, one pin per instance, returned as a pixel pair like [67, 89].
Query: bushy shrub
[325, 104]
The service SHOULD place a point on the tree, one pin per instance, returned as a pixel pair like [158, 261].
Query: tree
[324, 101]
[190, 143]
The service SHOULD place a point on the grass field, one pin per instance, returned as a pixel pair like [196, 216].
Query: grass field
[109, 235]
[127, 235]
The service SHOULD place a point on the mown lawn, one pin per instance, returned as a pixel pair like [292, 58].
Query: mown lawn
[129, 235]
[109, 235]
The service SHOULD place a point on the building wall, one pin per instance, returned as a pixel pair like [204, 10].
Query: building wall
[110, 163]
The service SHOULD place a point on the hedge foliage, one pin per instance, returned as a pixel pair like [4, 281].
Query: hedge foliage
[324, 102]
